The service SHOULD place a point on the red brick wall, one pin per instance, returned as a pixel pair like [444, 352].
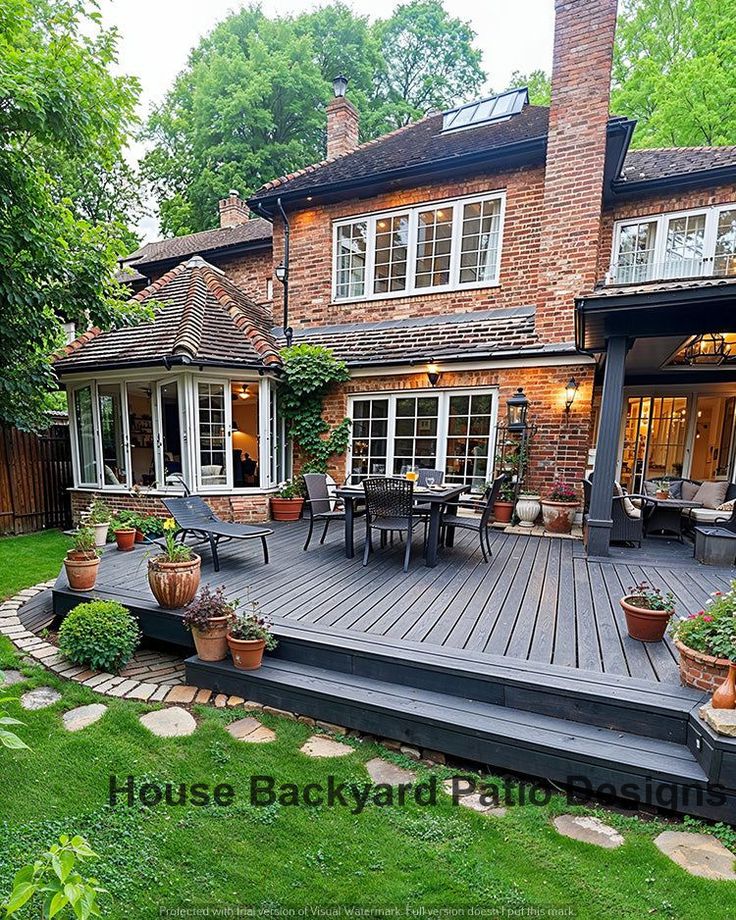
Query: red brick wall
[243, 508]
[581, 83]
[310, 278]
[560, 445]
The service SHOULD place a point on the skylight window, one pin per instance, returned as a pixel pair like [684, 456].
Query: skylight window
[483, 111]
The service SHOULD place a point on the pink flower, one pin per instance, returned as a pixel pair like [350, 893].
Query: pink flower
[708, 619]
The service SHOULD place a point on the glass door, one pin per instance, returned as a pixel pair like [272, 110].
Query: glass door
[113, 435]
[655, 429]
[214, 435]
[713, 441]
[169, 429]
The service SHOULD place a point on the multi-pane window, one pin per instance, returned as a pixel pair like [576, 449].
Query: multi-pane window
[350, 260]
[443, 246]
[212, 434]
[684, 245]
[85, 430]
[448, 430]
[114, 462]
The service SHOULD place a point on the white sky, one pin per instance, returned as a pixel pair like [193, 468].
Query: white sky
[157, 35]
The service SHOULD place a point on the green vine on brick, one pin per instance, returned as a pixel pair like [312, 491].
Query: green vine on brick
[310, 373]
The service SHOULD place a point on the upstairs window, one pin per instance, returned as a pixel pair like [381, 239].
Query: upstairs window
[444, 246]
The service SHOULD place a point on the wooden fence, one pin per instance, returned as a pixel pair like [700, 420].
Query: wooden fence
[35, 473]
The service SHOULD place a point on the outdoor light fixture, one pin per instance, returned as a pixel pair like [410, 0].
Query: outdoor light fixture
[433, 374]
[281, 272]
[708, 348]
[339, 85]
[516, 410]
[570, 391]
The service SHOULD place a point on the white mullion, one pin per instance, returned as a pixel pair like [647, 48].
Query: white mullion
[443, 426]
[74, 431]
[660, 248]
[97, 432]
[709, 240]
[411, 252]
[458, 210]
[390, 435]
[125, 429]
[370, 255]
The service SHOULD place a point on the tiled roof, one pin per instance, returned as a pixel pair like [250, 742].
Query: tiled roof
[414, 145]
[200, 317]
[660, 287]
[451, 336]
[641, 165]
[253, 231]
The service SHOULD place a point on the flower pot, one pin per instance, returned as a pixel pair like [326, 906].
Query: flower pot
[725, 695]
[81, 570]
[286, 509]
[125, 538]
[211, 643]
[174, 584]
[502, 511]
[558, 517]
[699, 670]
[101, 533]
[644, 624]
[247, 653]
[139, 536]
[527, 510]
[663, 494]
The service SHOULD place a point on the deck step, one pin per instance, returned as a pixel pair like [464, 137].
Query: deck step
[511, 739]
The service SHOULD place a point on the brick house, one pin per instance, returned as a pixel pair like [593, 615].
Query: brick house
[507, 244]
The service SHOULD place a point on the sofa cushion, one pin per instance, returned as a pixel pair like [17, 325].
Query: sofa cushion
[727, 506]
[627, 502]
[707, 515]
[689, 490]
[711, 494]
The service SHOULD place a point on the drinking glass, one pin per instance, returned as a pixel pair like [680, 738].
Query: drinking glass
[429, 481]
[412, 474]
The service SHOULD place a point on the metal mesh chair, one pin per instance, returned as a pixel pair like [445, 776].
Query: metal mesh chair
[481, 523]
[389, 508]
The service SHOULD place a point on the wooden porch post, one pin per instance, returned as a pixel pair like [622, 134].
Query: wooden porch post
[599, 513]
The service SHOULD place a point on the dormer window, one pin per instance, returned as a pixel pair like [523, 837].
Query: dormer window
[442, 246]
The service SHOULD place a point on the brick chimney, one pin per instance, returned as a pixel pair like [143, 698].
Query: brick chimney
[342, 121]
[233, 210]
[576, 148]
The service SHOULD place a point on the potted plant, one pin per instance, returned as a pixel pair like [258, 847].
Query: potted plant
[287, 504]
[527, 509]
[151, 526]
[174, 575]
[124, 531]
[558, 509]
[706, 642]
[647, 611]
[82, 561]
[662, 489]
[503, 507]
[249, 635]
[98, 518]
[208, 618]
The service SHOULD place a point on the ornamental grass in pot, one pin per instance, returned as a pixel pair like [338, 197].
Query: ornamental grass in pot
[208, 617]
[249, 635]
[559, 508]
[174, 575]
[82, 561]
[647, 611]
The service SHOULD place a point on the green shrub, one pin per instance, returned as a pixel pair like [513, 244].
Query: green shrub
[100, 634]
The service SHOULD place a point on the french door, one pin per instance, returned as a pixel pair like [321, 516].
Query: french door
[655, 439]
[213, 429]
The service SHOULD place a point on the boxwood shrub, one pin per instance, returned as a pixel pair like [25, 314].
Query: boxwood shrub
[99, 634]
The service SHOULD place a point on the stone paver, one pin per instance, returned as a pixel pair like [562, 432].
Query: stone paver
[476, 801]
[220, 700]
[39, 698]
[82, 716]
[698, 854]
[722, 721]
[169, 723]
[203, 696]
[589, 830]
[251, 730]
[183, 694]
[11, 677]
[141, 692]
[321, 746]
[383, 771]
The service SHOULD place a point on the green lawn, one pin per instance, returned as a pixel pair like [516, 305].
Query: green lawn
[26, 560]
[280, 856]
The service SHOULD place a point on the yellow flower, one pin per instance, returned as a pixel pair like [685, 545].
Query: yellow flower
[169, 524]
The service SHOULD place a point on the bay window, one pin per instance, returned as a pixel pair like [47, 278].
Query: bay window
[687, 244]
[451, 430]
[432, 247]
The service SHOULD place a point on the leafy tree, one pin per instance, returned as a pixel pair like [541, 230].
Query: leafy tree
[63, 117]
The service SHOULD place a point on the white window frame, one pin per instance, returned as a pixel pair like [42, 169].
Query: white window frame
[125, 426]
[411, 290]
[96, 435]
[443, 417]
[658, 270]
[226, 385]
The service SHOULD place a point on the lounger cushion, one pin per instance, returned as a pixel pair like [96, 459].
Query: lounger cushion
[706, 515]
[711, 494]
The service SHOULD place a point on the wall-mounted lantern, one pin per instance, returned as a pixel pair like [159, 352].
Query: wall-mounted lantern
[281, 272]
[517, 407]
[433, 374]
[570, 392]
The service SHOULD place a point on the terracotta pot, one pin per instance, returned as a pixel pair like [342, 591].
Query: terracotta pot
[286, 509]
[725, 695]
[101, 533]
[502, 511]
[558, 517]
[174, 584]
[644, 624]
[697, 669]
[664, 494]
[527, 510]
[211, 643]
[247, 653]
[125, 538]
[139, 536]
[81, 570]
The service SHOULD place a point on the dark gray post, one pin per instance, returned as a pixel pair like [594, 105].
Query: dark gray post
[606, 453]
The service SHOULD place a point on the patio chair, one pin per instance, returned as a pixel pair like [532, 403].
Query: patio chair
[389, 508]
[479, 524]
[628, 519]
[319, 503]
[194, 516]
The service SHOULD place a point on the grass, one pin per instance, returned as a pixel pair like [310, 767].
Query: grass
[280, 856]
[26, 560]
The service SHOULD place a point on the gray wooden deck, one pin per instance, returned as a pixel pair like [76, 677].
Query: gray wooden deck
[540, 599]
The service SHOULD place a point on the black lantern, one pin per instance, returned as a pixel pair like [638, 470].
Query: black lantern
[570, 391]
[708, 348]
[433, 374]
[517, 407]
[339, 85]
[281, 272]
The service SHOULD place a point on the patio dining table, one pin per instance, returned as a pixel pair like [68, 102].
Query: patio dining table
[437, 499]
[666, 516]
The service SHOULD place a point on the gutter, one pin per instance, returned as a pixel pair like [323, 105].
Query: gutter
[718, 175]
[167, 361]
[460, 358]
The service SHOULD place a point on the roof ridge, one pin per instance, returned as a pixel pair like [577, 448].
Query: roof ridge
[670, 149]
[188, 336]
